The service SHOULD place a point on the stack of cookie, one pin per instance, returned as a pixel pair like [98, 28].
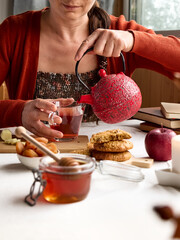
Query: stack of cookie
[111, 145]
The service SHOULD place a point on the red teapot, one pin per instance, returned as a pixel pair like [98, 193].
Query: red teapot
[114, 98]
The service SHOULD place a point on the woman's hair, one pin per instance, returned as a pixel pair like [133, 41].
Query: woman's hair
[98, 18]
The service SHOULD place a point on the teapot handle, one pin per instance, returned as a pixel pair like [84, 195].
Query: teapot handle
[77, 64]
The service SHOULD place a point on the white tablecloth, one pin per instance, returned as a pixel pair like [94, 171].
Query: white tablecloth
[114, 209]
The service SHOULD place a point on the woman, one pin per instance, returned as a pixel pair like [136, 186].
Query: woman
[39, 50]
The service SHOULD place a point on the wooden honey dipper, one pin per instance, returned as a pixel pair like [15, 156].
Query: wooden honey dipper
[69, 161]
[66, 161]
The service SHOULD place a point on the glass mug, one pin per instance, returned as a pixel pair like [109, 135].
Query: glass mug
[71, 120]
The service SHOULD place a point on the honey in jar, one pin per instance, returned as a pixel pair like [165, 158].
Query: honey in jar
[64, 183]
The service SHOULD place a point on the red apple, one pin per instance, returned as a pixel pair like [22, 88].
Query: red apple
[158, 143]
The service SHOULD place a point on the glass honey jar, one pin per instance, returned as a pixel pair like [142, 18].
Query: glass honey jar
[66, 181]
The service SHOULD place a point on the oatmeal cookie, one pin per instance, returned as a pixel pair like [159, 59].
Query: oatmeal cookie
[90, 146]
[117, 156]
[110, 135]
[114, 146]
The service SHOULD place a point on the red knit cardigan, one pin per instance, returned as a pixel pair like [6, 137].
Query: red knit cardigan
[19, 53]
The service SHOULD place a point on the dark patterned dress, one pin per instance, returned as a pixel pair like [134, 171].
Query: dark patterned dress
[57, 85]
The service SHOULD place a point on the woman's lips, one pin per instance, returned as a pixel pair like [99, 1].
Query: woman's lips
[68, 7]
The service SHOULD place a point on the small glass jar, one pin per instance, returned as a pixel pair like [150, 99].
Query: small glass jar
[66, 184]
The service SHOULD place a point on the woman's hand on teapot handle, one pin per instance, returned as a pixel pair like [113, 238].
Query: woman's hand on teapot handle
[107, 43]
[36, 111]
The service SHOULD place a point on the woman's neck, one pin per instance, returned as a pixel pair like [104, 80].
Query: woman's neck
[70, 31]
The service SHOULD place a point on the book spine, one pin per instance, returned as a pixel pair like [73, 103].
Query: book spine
[154, 119]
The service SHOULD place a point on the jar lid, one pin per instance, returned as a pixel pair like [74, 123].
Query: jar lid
[122, 170]
[47, 164]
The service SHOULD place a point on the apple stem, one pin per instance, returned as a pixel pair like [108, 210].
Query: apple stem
[162, 129]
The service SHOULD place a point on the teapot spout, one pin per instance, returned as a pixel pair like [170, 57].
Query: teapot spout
[86, 99]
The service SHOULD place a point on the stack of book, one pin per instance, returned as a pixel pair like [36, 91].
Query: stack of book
[167, 115]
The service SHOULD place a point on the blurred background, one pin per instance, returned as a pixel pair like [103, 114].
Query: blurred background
[160, 15]
[155, 14]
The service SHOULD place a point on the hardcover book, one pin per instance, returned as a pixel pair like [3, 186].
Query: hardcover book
[154, 115]
[147, 126]
[170, 110]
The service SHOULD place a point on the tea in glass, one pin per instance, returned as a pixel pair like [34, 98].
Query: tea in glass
[71, 121]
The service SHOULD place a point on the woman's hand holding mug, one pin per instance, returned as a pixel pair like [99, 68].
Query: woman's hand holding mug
[36, 111]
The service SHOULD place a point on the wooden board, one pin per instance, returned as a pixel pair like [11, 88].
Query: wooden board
[143, 162]
[79, 143]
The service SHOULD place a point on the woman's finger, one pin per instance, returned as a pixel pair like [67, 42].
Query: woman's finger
[117, 49]
[109, 47]
[44, 104]
[48, 104]
[65, 101]
[100, 44]
[44, 116]
[87, 43]
[39, 129]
